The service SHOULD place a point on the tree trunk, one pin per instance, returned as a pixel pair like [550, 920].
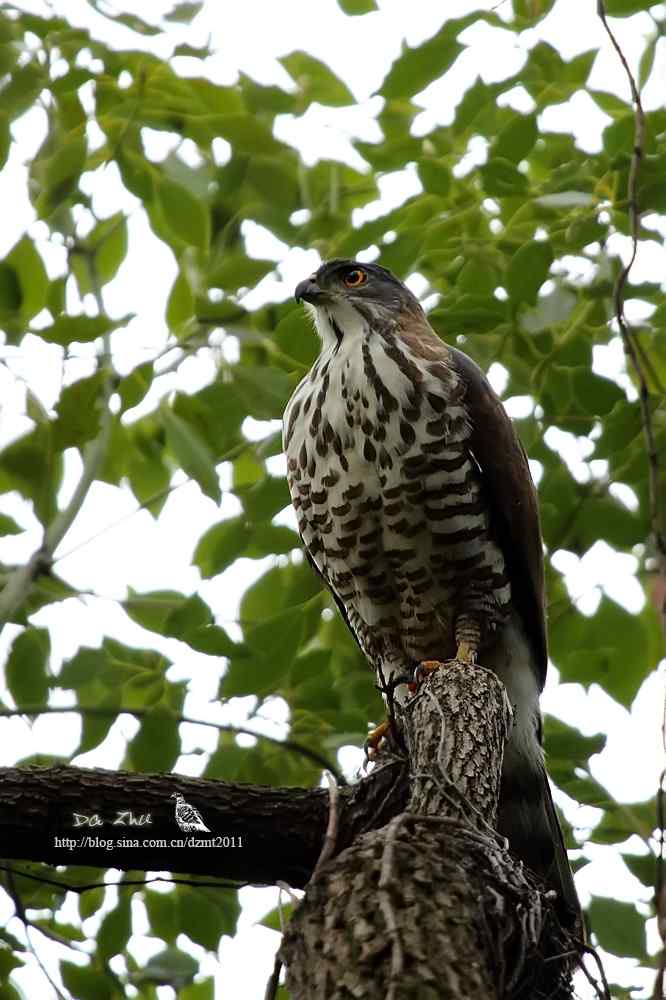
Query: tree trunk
[431, 905]
[413, 893]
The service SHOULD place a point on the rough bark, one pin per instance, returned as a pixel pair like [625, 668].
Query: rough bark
[431, 905]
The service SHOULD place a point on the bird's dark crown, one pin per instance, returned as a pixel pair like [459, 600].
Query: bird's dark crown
[378, 284]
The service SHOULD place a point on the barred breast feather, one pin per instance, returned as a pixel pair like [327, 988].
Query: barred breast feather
[389, 499]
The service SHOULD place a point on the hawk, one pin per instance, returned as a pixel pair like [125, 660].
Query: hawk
[415, 504]
[187, 817]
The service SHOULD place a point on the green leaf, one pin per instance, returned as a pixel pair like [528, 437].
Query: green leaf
[134, 386]
[26, 670]
[192, 614]
[239, 271]
[186, 217]
[200, 919]
[213, 640]
[271, 540]
[315, 80]
[79, 329]
[91, 901]
[566, 743]
[86, 983]
[565, 199]
[136, 23]
[246, 133]
[60, 173]
[609, 648]
[435, 176]
[278, 918]
[22, 88]
[597, 394]
[10, 290]
[530, 11]
[221, 545]
[620, 822]
[171, 967]
[204, 990]
[180, 304]
[355, 7]
[86, 665]
[618, 137]
[95, 729]
[647, 62]
[618, 927]
[151, 610]
[108, 241]
[263, 391]
[516, 139]
[5, 138]
[264, 499]
[192, 452]
[31, 466]
[610, 103]
[33, 282]
[624, 8]
[8, 525]
[277, 639]
[528, 269]
[162, 908]
[78, 412]
[502, 179]
[643, 867]
[296, 337]
[184, 13]
[156, 746]
[415, 68]
[115, 929]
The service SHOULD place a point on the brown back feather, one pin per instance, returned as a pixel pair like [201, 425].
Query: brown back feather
[508, 485]
[513, 501]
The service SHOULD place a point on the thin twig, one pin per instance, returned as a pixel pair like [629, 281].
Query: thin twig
[87, 886]
[386, 879]
[604, 993]
[626, 333]
[96, 711]
[18, 586]
[331, 835]
[228, 456]
[274, 979]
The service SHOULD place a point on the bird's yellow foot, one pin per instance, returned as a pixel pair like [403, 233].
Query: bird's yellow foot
[466, 652]
[375, 738]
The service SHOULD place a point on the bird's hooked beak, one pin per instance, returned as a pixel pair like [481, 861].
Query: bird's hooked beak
[309, 291]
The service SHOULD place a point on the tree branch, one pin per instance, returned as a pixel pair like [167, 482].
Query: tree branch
[278, 832]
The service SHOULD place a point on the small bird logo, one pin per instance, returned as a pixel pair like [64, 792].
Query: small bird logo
[187, 817]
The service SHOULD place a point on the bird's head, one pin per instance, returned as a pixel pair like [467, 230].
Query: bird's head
[346, 298]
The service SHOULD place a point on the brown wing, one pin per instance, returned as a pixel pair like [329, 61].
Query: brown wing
[513, 501]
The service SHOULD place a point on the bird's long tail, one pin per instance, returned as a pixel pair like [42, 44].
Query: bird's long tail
[527, 818]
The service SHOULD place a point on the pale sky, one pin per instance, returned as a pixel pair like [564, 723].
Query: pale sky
[105, 554]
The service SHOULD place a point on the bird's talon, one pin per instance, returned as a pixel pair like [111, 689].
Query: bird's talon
[374, 739]
[423, 670]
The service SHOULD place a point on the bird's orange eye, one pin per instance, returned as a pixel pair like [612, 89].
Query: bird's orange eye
[355, 278]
